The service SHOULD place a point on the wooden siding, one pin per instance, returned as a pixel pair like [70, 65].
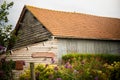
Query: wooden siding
[88, 46]
[25, 54]
[31, 31]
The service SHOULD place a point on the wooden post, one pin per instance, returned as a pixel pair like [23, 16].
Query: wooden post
[32, 71]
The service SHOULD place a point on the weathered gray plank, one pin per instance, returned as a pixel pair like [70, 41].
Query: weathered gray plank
[31, 31]
[88, 46]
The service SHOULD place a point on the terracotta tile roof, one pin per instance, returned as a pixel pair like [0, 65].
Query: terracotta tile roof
[77, 25]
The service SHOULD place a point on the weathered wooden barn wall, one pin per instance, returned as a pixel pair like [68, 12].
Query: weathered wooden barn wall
[88, 46]
[31, 31]
[25, 54]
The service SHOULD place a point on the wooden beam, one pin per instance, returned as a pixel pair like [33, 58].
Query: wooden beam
[43, 55]
[32, 71]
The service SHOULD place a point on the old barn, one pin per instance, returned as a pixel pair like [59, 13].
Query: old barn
[44, 34]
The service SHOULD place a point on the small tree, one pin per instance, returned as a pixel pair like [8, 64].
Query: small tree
[5, 29]
[6, 37]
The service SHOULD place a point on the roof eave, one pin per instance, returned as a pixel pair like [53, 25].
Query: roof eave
[85, 38]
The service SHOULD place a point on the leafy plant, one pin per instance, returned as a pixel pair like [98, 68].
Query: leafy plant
[5, 29]
[113, 70]
[72, 57]
[87, 67]
[6, 69]
[26, 75]
[6, 38]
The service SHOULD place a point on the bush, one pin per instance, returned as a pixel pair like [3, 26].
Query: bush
[113, 70]
[26, 75]
[77, 67]
[6, 69]
[43, 72]
[109, 58]
[76, 71]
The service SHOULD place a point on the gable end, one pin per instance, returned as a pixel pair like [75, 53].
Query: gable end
[30, 31]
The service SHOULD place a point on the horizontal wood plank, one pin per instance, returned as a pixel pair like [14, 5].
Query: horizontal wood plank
[43, 54]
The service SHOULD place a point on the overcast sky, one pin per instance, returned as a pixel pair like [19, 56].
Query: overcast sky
[106, 8]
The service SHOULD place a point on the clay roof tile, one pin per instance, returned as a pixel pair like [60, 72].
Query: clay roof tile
[77, 25]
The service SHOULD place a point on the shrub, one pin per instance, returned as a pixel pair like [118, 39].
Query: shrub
[113, 70]
[72, 57]
[6, 69]
[76, 71]
[77, 67]
[25, 76]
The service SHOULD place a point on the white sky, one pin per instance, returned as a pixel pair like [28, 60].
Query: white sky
[106, 8]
